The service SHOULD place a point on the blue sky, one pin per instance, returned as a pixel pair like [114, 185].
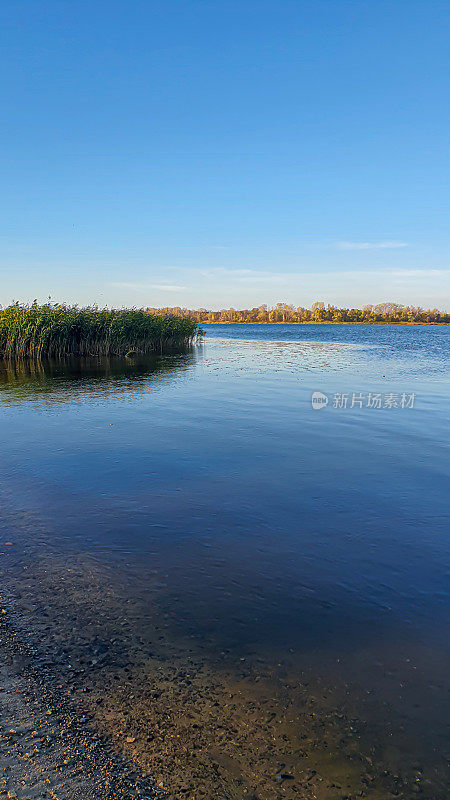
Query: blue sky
[225, 153]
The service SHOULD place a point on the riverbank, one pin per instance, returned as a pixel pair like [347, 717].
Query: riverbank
[201, 730]
[193, 727]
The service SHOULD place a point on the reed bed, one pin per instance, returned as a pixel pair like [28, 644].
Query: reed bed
[54, 331]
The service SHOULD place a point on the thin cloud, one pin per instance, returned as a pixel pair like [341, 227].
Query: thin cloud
[239, 273]
[370, 245]
[163, 287]
[429, 274]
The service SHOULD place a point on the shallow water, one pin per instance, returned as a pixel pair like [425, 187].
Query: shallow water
[260, 584]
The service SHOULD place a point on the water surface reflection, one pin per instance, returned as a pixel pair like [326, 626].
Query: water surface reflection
[72, 378]
[256, 588]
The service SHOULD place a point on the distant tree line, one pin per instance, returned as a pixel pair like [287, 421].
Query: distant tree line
[387, 313]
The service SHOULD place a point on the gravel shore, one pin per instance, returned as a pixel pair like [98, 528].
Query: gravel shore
[48, 749]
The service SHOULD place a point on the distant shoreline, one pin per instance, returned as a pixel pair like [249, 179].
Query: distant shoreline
[321, 322]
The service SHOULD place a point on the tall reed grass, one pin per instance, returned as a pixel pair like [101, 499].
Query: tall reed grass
[53, 331]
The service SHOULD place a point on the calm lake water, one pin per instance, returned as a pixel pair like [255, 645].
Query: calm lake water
[257, 589]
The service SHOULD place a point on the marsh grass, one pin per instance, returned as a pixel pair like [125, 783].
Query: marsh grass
[55, 331]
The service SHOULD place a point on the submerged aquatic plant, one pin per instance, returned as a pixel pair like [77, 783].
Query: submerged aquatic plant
[53, 331]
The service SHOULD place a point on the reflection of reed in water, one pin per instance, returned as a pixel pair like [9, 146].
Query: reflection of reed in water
[74, 378]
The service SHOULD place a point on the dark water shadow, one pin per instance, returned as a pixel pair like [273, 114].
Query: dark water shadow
[75, 378]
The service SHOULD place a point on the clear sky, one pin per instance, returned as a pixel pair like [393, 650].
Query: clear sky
[203, 153]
